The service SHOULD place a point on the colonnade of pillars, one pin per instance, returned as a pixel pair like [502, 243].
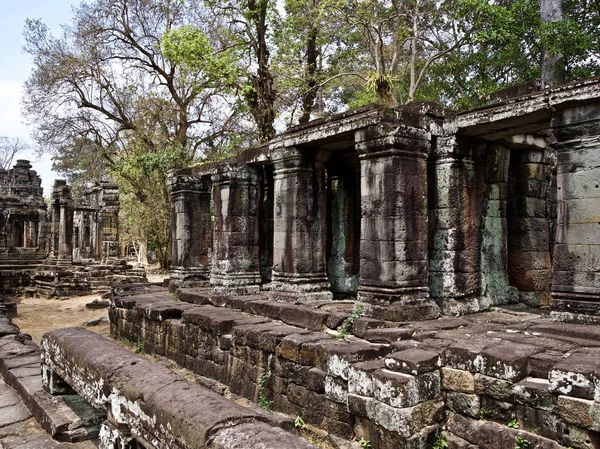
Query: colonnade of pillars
[286, 219]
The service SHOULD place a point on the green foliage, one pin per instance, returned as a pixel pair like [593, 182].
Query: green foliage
[521, 443]
[346, 326]
[365, 444]
[441, 443]
[299, 422]
[263, 401]
[139, 346]
[513, 424]
[189, 47]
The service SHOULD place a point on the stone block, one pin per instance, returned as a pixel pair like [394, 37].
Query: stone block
[466, 404]
[499, 411]
[336, 389]
[581, 412]
[462, 355]
[413, 361]
[539, 365]
[403, 390]
[360, 377]
[506, 361]
[404, 421]
[495, 388]
[577, 375]
[535, 392]
[457, 380]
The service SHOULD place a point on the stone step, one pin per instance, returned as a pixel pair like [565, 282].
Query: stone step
[66, 417]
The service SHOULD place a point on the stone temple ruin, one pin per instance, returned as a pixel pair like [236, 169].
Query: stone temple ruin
[409, 278]
[67, 247]
[418, 211]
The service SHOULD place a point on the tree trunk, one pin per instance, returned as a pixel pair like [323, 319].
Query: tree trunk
[263, 108]
[553, 66]
[312, 53]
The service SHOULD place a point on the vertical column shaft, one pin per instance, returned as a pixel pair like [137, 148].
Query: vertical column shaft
[300, 230]
[393, 246]
[65, 233]
[236, 262]
[191, 229]
[454, 276]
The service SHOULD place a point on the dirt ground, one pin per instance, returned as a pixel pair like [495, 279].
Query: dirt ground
[36, 316]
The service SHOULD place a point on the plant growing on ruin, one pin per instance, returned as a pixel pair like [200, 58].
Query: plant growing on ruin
[346, 326]
[522, 443]
[513, 424]
[441, 443]
[299, 422]
[139, 346]
[366, 444]
[263, 401]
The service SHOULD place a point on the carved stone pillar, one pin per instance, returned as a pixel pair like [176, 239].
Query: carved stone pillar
[393, 246]
[65, 232]
[299, 226]
[454, 273]
[236, 262]
[576, 258]
[191, 229]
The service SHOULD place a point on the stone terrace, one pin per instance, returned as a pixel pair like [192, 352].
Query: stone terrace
[483, 380]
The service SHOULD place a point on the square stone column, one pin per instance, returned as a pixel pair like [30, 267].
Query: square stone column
[191, 229]
[236, 260]
[454, 270]
[576, 261]
[65, 233]
[393, 245]
[300, 229]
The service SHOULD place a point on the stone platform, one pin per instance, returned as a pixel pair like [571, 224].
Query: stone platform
[482, 381]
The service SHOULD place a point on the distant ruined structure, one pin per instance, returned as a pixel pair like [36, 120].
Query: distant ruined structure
[65, 247]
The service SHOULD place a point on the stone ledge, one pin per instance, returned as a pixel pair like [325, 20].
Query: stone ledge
[153, 402]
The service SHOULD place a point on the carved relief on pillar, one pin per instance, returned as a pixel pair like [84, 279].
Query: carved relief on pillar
[236, 260]
[393, 246]
[191, 229]
[300, 231]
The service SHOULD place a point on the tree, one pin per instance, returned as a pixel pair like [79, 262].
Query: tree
[9, 147]
[246, 23]
[108, 98]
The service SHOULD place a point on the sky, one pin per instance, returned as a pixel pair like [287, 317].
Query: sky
[15, 67]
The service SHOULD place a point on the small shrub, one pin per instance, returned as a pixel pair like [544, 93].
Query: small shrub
[299, 422]
[139, 346]
[346, 326]
[263, 401]
[521, 443]
[441, 443]
[365, 444]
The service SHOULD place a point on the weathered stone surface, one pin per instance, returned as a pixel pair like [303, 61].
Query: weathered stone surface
[413, 361]
[150, 400]
[577, 375]
[403, 390]
[581, 412]
[466, 404]
[457, 380]
[485, 434]
[253, 436]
